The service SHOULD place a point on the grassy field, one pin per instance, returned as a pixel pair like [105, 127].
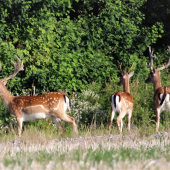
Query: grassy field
[92, 149]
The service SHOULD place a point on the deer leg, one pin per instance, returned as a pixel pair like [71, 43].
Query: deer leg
[71, 120]
[57, 122]
[19, 122]
[121, 125]
[120, 122]
[157, 119]
[129, 119]
[111, 119]
[11, 126]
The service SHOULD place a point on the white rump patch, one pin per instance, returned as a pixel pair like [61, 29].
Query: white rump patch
[67, 104]
[166, 104]
[118, 104]
[166, 98]
[161, 96]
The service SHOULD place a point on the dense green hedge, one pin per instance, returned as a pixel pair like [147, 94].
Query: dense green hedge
[69, 44]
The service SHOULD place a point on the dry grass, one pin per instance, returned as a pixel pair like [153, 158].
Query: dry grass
[38, 150]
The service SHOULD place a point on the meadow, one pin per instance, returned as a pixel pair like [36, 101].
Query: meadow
[93, 149]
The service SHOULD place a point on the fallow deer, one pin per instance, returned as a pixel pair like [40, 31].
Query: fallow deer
[161, 94]
[122, 102]
[30, 108]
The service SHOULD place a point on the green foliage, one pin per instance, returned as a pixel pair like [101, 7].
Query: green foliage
[70, 44]
[5, 117]
[86, 108]
[158, 13]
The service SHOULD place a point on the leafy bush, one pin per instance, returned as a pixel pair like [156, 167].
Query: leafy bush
[85, 107]
[69, 44]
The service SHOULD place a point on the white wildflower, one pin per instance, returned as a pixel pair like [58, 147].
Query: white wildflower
[81, 106]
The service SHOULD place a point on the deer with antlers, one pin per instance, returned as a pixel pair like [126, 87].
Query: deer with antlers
[122, 102]
[30, 108]
[161, 93]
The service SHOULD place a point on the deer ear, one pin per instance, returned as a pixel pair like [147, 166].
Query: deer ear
[131, 74]
[122, 73]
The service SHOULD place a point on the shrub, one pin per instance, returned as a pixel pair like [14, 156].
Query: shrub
[85, 107]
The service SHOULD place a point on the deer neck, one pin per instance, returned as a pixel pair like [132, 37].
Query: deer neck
[157, 81]
[126, 85]
[5, 95]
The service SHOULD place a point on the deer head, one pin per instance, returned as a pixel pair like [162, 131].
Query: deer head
[154, 75]
[124, 78]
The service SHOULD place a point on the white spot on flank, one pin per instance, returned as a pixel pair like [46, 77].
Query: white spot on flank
[127, 103]
[57, 105]
[67, 105]
[118, 104]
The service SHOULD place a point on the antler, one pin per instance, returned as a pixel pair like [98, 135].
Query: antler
[159, 69]
[17, 69]
[151, 58]
[130, 68]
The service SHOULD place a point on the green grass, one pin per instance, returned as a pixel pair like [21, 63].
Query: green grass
[108, 157]
[93, 148]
